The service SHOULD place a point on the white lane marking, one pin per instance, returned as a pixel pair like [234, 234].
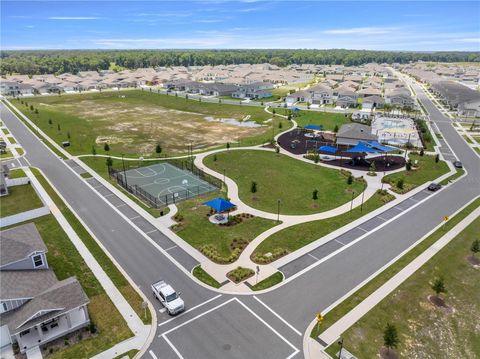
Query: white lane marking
[398, 208]
[194, 318]
[311, 255]
[151, 231]
[131, 218]
[153, 354]
[278, 316]
[162, 310]
[381, 218]
[98, 186]
[189, 310]
[412, 199]
[363, 229]
[121, 205]
[336, 240]
[269, 327]
[110, 194]
[172, 346]
[175, 246]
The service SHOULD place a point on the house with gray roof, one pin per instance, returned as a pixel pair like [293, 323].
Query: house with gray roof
[35, 307]
[255, 90]
[352, 133]
[346, 98]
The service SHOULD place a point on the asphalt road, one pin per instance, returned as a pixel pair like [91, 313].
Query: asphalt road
[236, 327]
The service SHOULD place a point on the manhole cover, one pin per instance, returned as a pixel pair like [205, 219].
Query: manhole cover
[227, 347]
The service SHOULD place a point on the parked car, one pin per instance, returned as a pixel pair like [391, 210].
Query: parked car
[169, 298]
[434, 187]
[458, 164]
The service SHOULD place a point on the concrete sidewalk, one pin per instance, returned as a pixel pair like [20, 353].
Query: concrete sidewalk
[330, 335]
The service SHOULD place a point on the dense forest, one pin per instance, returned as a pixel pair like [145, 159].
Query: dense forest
[60, 61]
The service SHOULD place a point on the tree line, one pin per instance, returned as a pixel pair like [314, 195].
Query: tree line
[73, 61]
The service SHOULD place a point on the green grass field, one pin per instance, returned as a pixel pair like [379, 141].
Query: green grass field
[419, 323]
[274, 279]
[298, 236]
[328, 120]
[427, 170]
[19, 199]
[206, 278]
[281, 177]
[195, 228]
[133, 122]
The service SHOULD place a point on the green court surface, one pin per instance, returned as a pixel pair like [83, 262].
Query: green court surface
[163, 183]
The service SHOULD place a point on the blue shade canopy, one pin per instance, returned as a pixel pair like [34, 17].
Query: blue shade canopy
[380, 147]
[363, 147]
[313, 127]
[219, 204]
[327, 149]
[295, 109]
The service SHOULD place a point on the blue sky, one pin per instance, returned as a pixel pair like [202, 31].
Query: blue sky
[381, 25]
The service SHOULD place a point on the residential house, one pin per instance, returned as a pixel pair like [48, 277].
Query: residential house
[352, 133]
[321, 94]
[399, 97]
[299, 96]
[35, 307]
[256, 90]
[371, 102]
[217, 89]
[369, 91]
[346, 98]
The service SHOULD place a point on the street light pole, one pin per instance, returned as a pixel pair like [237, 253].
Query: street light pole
[340, 342]
[351, 204]
[363, 196]
[278, 210]
[124, 172]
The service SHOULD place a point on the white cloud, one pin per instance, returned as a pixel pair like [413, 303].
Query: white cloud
[361, 31]
[74, 18]
[472, 40]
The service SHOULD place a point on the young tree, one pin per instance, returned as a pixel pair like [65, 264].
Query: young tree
[215, 157]
[390, 337]
[253, 187]
[50, 121]
[422, 152]
[109, 162]
[36, 111]
[336, 129]
[316, 158]
[437, 158]
[277, 149]
[372, 168]
[68, 135]
[58, 127]
[315, 194]
[475, 247]
[158, 149]
[400, 183]
[31, 107]
[94, 151]
[228, 145]
[350, 179]
[280, 125]
[438, 286]
[409, 165]
[274, 112]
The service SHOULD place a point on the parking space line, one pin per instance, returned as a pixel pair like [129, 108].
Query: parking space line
[194, 318]
[172, 346]
[189, 310]
[336, 240]
[381, 218]
[121, 205]
[278, 316]
[150, 231]
[152, 354]
[412, 199]
[268, 326]
[110, 194]
[98, 186]
[398, 208]
[362, 229]
[134, 217]
[311, 255]
[175, 246]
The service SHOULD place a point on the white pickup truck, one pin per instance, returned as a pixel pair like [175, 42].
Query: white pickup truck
[168, 297]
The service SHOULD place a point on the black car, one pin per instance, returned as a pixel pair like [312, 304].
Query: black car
[458, 164]
[434, 187]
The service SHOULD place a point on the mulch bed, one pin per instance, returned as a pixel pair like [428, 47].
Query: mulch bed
[474, 261]
[388, 354]
[440, 303]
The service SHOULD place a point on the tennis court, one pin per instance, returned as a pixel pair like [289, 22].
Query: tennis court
[164, 183]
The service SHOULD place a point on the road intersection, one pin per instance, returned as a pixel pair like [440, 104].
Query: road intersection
[268, 325]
